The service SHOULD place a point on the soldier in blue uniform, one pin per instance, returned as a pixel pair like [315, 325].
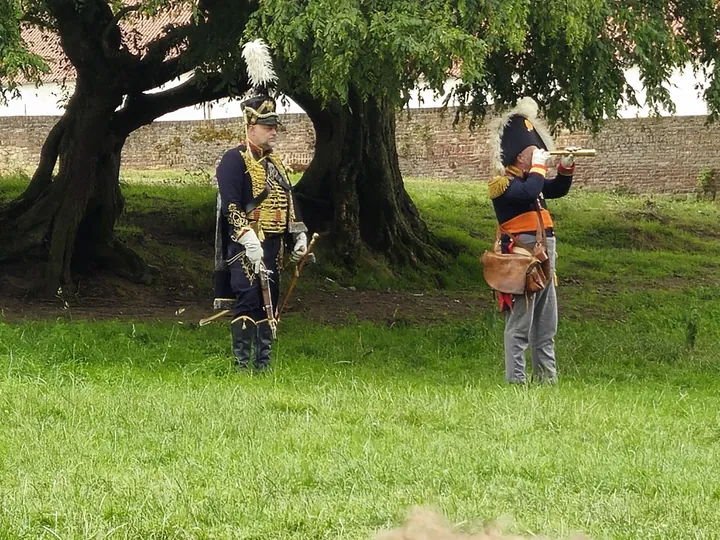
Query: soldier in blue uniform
[520, 147]
[258, 221]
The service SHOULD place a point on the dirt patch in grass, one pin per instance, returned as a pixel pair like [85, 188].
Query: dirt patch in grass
[108, 297]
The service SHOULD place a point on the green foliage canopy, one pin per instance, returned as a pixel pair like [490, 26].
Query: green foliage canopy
[571, 56]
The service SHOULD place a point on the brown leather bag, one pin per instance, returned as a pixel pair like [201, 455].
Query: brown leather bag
[526, 270]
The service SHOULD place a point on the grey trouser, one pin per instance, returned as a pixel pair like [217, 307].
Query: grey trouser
[533, 322]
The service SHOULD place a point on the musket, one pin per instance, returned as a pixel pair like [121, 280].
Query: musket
[301, 264]
[575, 151]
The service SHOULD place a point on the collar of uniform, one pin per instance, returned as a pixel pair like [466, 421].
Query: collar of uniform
[512, 170]
[258, 152]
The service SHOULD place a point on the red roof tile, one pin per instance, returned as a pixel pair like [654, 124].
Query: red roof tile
[137, 33]
[456, 69]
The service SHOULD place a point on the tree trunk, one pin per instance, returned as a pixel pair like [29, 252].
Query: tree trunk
[73, 214]
[354, 189]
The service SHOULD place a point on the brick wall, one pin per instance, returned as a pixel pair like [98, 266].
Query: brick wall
[637, 155]
[198, 145]
[21, 138]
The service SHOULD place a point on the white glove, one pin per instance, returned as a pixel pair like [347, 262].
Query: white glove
[253, 249]
[540, 157]
[567, 161]
[300, 248]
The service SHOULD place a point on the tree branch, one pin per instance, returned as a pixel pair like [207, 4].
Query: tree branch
[153, 70]
[40, 180]
[122, 53]
[48, 158]
[36, 19]
[173, 37]
[142, 109]
[82, 27]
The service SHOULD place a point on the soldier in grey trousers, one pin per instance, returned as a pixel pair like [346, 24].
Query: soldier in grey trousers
[532, 322]
[520, 145]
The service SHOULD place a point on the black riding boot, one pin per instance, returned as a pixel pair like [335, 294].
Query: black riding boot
[263, 345]
[242, 338]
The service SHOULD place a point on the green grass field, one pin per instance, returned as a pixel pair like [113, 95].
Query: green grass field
[129, 429]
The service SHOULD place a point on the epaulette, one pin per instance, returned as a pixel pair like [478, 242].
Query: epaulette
[497, 186]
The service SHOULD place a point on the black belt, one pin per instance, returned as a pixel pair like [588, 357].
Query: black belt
[549, 232]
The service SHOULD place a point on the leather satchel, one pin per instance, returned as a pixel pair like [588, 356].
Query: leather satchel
[525, 270]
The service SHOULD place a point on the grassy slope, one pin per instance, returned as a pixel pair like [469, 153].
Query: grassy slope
[131, 430]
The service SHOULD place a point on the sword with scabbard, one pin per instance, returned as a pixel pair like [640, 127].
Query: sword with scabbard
[267, 300]
[264, 276]
[216, 316]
